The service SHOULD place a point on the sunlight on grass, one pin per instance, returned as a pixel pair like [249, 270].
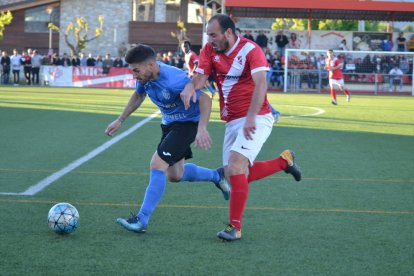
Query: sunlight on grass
[380, 114]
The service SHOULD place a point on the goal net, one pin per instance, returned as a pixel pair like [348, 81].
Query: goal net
[364, 71]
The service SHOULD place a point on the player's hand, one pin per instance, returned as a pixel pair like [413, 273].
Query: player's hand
[188, 94]
[203, 139]
[249, 127]
[113, 127]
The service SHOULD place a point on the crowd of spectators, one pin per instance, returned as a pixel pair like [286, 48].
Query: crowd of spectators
[310, 64]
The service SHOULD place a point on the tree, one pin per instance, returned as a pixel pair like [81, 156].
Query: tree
[289, 24]
[335, 25]
[80, 33]
[181, 33]
[5, 19]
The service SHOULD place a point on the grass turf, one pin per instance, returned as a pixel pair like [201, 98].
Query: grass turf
[352, 214]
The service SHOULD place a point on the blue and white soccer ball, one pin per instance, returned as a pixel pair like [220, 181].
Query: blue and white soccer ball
[63, 218]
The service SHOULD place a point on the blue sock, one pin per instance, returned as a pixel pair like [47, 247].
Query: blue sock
[153, 194]
[274, 111]
[193, 172]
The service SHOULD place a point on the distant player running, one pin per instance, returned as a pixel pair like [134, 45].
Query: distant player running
[334, 65]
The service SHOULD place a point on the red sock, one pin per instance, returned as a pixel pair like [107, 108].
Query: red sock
[261, 169]
[333, 94]
[346, 92]
[238, 198]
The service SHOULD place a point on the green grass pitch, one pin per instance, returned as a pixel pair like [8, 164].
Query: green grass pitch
[352, 214]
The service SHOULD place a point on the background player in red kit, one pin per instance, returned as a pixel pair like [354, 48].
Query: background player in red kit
[239, 67]
[191, 60]
[334, 65]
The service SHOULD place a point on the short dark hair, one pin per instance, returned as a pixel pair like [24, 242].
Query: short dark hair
[187, 42]
[224, 21]
[139, 54]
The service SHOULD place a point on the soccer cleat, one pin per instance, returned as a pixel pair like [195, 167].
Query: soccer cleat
[230, 233]
[334, 102]
[276, 116]
[222, 184]
[292, 168]
[132, 224]
[348, 98]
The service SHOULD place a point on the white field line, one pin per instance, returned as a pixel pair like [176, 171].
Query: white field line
[55, 176]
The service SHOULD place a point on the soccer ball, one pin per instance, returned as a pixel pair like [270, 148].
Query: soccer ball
[63, 218]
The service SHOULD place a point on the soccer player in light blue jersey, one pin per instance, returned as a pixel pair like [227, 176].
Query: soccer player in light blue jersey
[180, 128]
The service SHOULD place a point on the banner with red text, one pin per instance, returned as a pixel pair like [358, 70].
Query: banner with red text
[95, 77]
[84, 76]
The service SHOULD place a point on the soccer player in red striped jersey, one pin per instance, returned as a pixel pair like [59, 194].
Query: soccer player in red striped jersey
[334, 65]
[239, 67]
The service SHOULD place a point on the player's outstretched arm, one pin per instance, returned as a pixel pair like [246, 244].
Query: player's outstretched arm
[188, 93]
[203, 139]
[134, 102]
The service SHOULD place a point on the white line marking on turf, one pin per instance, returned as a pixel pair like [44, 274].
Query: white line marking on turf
[55, 176]
[319, 111]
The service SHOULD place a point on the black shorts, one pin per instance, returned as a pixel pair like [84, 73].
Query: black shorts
[176, 141]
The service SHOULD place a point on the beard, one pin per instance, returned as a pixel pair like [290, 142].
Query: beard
[222, 46]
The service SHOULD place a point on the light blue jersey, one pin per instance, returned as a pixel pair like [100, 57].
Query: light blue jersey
[165, 93]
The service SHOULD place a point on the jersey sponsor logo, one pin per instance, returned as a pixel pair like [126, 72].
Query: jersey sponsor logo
[216, 58]
[166, 94]
[166, 153]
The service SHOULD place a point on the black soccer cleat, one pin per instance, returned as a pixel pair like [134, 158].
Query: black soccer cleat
[292, 168]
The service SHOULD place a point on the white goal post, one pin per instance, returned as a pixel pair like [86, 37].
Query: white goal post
[364, 71]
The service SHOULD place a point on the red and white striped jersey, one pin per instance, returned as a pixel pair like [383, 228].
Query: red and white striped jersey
[191, 59]
[337, 73]
[233, 72]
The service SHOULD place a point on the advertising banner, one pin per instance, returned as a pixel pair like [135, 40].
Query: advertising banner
[57, 75]
[95, 77]
[84, 76]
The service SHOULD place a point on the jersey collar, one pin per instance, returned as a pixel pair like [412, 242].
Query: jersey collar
[234, 47]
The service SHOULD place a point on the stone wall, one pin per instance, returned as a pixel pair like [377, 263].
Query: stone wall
[117, 14]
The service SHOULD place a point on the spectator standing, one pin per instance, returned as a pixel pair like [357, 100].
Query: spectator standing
[5, 63]
[386, 44]
[65, 61]
[99, 61]
[16, 62]
[90, 61]
[75, 60]
[396, 77]
[343, 46]
[82, 59]
[56, 60]
[294, 42]
[262, 40]
[410, 44]
[281, 42]
[36, 63]
[27, 67]
[249, 35]
[401, 42]
[118, 62]
[107, 63]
